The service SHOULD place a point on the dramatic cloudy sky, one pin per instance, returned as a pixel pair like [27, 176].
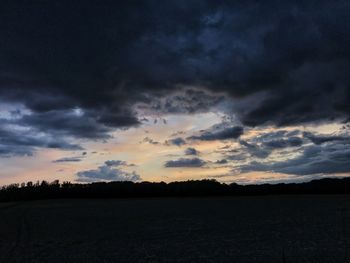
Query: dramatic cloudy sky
[238, 91]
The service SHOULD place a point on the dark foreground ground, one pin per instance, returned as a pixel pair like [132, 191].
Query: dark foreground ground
[237, 229]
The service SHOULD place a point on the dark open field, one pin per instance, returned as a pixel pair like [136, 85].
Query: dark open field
[223, 229]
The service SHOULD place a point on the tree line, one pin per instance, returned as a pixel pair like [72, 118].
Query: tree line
[55, 189]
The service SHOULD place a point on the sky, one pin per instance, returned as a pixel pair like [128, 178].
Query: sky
[236, 91]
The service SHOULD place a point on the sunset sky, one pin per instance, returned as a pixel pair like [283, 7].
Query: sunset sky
[237, 91]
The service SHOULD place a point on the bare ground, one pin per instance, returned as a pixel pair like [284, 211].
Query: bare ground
[237, 229]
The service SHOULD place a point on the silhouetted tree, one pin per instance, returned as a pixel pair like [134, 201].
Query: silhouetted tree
[46, 190]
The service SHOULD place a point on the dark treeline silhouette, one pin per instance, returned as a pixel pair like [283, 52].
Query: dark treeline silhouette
[45, 190]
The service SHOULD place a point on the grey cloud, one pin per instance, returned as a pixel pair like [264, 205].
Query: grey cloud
[182, 162]
[117, 163]
[315, 159]
[223, 134]
[222, 161]
[320, 139]
[263, 145]
[107, 173]
[150, 141]
[175, 134]
[255, 150]
[276, 135]
[10, 150]
[67, 159]
[176, 141]
[67, 123]
[15, 141]
[242, 156]
[284, 143]
[191, 151]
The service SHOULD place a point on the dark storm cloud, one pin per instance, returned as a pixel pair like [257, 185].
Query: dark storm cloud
[25, 142]
[315, 159]
[222, 134]
[320, 139]
[10, 151]
[276, 135]
[182, 162]
[67, 123]
[263, 145]
[255, 150]
[106, 57]
[187, 101]
[191, 151]
[284, 143]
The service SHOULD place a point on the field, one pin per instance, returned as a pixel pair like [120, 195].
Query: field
[237, 229]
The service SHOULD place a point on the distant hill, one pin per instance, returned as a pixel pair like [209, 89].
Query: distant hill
[53, 190]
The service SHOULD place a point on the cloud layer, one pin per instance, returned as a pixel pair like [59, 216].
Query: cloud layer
[221, 134]
[73, 73]
[184, 162]
[108, 172]
[296, 60]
